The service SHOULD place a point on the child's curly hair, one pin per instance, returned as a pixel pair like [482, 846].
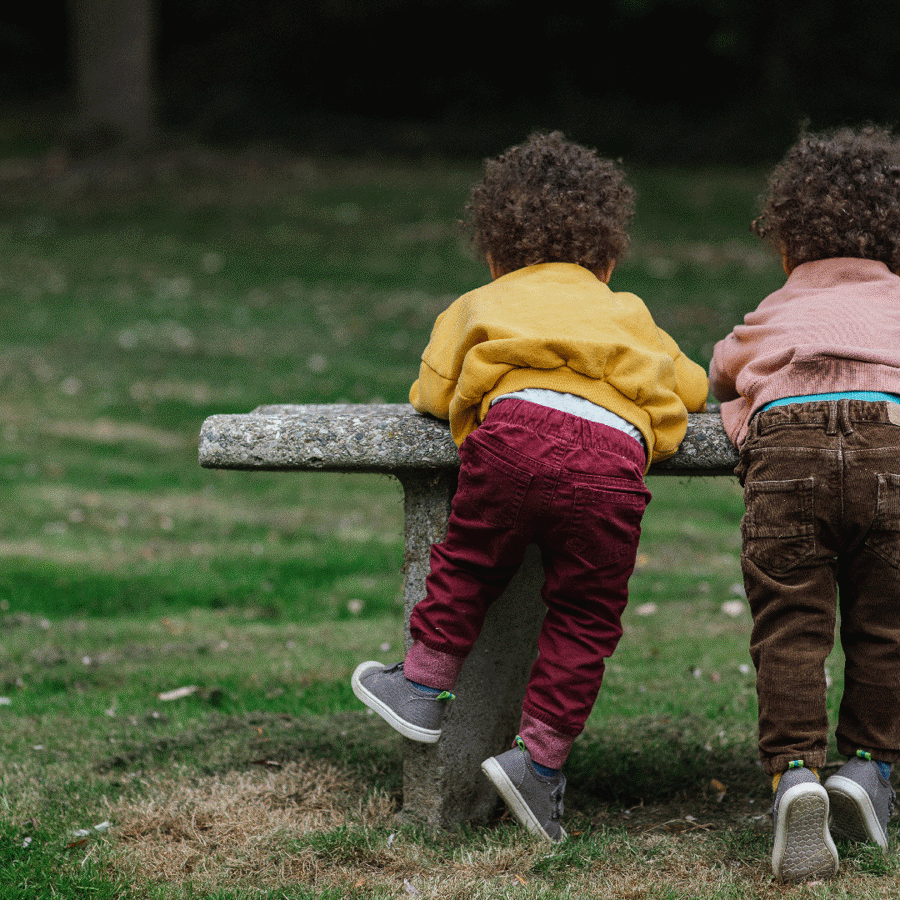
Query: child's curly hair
[834, 194]
[550, 200]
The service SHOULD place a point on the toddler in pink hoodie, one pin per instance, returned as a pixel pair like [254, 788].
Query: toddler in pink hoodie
[810, 391]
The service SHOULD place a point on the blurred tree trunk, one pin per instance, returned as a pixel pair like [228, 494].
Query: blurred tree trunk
[112, 55]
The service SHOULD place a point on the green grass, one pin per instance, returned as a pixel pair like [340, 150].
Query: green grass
[137, 302]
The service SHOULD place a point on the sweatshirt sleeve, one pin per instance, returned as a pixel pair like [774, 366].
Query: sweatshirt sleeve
[722, 371]
[441, 364]
[691, 383]
[431, 392]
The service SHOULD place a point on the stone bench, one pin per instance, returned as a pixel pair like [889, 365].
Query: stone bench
[442, 783]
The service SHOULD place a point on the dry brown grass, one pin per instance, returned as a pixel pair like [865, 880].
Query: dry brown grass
[217, 830]
[308, 824]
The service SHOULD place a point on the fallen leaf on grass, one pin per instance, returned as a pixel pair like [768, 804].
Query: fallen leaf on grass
[82, 835]
[178, 693]
[98, 829]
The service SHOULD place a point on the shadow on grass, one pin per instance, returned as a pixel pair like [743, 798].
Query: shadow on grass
[269, 588]
[225, 743]
[655, 759]
[630, 762]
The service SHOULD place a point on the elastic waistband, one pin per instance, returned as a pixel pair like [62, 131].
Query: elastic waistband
[553, 425]
[575, 406]
[871, 396]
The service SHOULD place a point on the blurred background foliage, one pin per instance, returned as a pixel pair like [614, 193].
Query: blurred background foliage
[658, 81]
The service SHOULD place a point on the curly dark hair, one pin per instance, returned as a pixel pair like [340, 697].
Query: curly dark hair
[834, 194]
[550, 200]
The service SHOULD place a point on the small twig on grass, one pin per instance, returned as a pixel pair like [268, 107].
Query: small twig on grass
[692, 826]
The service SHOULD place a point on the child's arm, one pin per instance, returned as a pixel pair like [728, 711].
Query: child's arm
[691, 383]
[442, 362]
[722, 371]
[431, 392]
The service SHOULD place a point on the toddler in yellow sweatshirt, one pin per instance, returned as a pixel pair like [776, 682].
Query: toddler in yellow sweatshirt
[560, 392]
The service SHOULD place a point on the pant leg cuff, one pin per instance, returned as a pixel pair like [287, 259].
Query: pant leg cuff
[546, 745]
[848, 749]
[775, 764]
[432, 668]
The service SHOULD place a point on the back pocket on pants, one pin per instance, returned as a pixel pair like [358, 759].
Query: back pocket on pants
[884, 536]
[606, 524]
[491, 486]
[778, 527]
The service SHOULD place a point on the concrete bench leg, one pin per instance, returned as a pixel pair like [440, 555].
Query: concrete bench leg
[443, 785]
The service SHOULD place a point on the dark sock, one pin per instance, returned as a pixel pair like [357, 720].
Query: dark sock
[546, 771]
[424, 687]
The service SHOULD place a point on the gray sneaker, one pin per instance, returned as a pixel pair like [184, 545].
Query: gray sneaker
[415, 713]
[803, 847]
[861, 802]
[536, 801]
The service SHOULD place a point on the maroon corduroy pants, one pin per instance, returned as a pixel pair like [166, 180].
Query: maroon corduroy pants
[575, 488]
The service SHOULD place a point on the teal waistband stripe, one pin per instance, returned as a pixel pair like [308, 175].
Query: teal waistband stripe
[871, 396]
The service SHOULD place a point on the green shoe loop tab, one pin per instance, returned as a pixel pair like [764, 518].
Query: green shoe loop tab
[864, 754]
[445, 695]
[795, 764]
[520, 743]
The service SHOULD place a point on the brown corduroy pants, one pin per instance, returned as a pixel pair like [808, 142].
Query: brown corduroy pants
[821, 528]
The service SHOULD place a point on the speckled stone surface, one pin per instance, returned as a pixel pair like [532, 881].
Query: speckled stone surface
[391, 438]
[443, 785]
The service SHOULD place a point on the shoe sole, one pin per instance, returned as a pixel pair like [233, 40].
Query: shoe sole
[803, 845]
[852, 813]
[515, 801]
[407, 729]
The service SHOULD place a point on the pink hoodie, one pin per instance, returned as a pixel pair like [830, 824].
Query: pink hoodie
[834, 326]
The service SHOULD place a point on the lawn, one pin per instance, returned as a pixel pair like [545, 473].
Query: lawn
[176, 643]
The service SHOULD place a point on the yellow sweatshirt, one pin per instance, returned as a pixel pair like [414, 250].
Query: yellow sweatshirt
[557, 326]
